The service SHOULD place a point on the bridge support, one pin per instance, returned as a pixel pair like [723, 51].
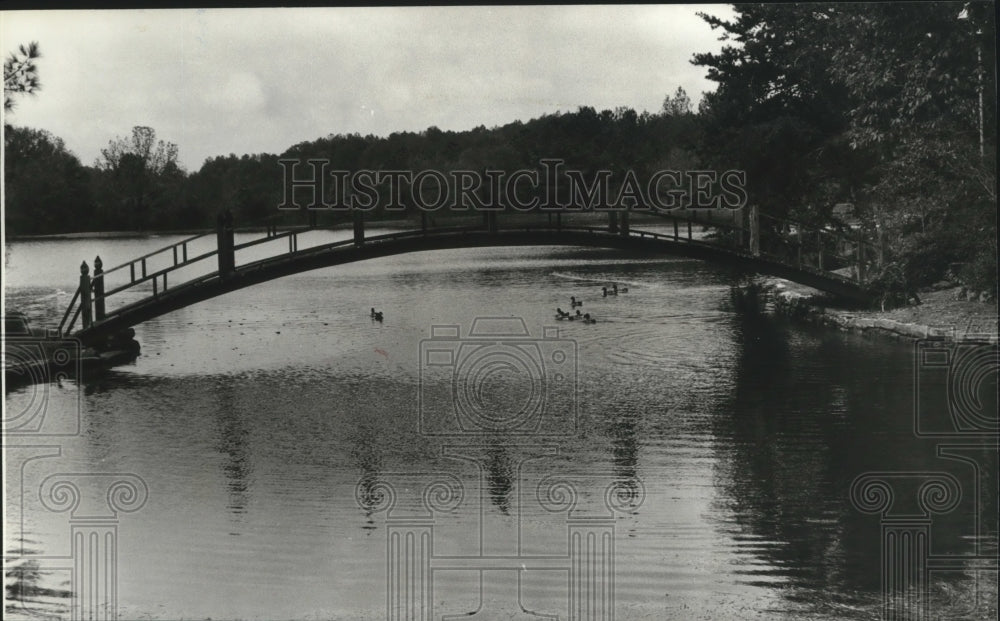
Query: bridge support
[98, 285]
[613, 222]
[623, 229]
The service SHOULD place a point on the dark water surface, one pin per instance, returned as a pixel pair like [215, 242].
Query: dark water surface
[272, 426]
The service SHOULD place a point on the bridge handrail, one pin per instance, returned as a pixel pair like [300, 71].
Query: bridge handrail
[773, 250]
[151, 254]
[414, 234]
[441, 232]
[814, 228]
[157, 274]
[346, 242]
[672, 215]
[189, 283]
[63, 329]
[261, 262]
[249, 226]
[186, 261]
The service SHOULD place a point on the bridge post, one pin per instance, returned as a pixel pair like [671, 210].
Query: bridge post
[819, 248]
[98, 285]
[220, 243]
[85, 309]
[230, 242]
[359, 228]
[225, 244]
[612, 222]
[623, 229]
[754, 217]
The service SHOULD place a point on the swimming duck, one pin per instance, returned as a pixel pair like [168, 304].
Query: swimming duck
[607, 293]
[574, 303]
[588, 319]
[616, 289]
[561, 314]
[376, 315]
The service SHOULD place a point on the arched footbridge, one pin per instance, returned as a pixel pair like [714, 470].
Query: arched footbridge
[160, 282]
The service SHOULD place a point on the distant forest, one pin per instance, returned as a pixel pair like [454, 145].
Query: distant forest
[889, 107]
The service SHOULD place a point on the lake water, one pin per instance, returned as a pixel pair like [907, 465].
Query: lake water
[283, 447]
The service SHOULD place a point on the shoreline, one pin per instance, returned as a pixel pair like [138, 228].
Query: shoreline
[943, 313]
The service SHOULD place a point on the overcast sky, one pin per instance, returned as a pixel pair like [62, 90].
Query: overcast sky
[260, 80]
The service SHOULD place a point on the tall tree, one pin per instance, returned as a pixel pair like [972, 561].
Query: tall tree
[776, 113]
[47, 189]
[917, 75]
[136, 172]
[878, 104]
[679, 104]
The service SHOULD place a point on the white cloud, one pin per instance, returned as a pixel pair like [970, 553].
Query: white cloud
[252, 80]
[240, 93]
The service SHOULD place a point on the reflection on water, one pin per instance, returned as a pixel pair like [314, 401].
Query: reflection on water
[274, 425]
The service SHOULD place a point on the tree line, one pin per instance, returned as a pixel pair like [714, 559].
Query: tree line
[889, 108]
[137, 183]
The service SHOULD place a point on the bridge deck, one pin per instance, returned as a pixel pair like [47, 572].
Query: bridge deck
[164, 300]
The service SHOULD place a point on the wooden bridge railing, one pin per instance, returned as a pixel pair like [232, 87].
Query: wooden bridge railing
[817, 248]
[140, 271]
[751, 234]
